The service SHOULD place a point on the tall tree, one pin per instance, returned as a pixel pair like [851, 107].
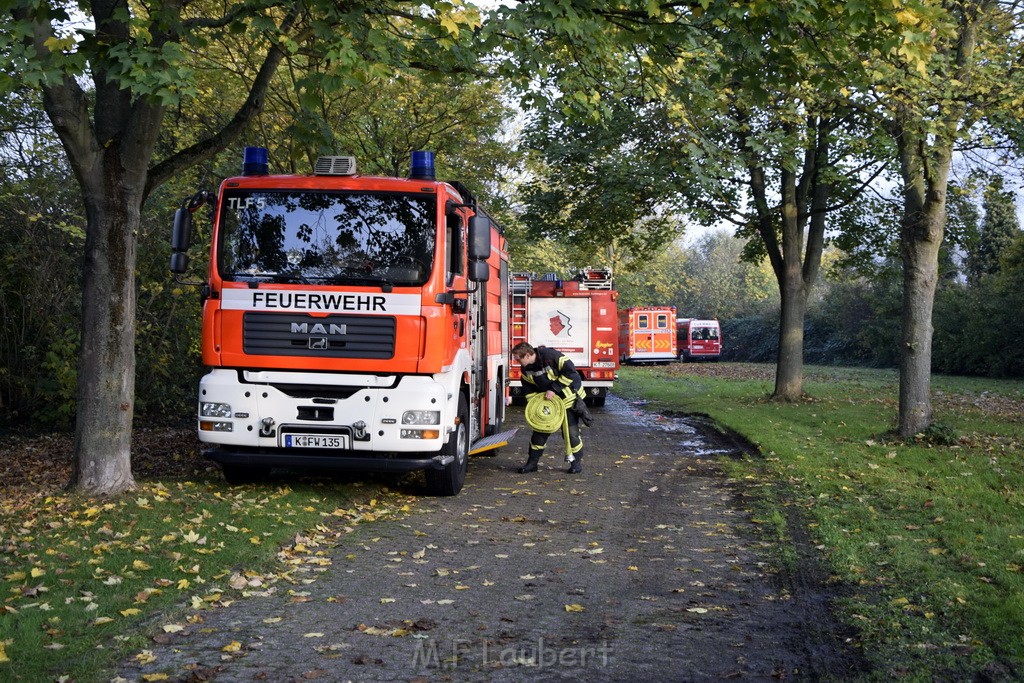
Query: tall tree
[108, 79]
[999, 227]
[751, 106]
[949, 68]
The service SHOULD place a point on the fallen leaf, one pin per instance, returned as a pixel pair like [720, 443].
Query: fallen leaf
[233, 646]
[575, 608]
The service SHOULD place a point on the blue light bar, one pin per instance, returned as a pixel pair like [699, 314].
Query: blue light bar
[422, 166]
[254, 161]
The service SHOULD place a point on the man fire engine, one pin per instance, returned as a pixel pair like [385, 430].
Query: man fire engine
[350, 322]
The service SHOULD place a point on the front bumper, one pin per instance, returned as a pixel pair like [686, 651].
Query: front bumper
[318, 460]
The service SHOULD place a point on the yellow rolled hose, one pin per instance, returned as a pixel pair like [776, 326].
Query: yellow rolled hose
[548, 416]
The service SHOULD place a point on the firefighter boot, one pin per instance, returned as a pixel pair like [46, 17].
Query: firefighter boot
[576, 466]
[531, 464]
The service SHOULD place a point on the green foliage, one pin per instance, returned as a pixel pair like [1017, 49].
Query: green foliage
[41, 228]
[603, 187]
[751, 338]
[999, 227]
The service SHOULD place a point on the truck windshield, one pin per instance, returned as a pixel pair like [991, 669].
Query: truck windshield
[313, 237]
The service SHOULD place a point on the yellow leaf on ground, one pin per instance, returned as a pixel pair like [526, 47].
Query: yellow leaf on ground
[155, 677]
[233, 646]
[130, 612]
[3, 653]
[575, 608]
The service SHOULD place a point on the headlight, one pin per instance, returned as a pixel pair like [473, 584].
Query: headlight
[215, 409]
[421, 417]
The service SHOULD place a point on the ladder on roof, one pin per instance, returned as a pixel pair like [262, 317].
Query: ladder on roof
[522, 283]
[595, 278]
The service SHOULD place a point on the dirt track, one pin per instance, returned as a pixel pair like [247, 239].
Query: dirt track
[644, 567]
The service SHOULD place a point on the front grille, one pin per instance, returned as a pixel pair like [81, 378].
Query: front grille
[333, 336]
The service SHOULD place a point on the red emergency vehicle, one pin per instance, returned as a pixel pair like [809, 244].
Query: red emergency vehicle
[647, 334]
[350, 322]
[575, 316]
[699, 339]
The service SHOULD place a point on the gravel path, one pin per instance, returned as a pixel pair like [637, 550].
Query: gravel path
[645, 567]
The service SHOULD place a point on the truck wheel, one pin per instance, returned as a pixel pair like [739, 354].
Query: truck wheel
[449, 481]
[239, 475]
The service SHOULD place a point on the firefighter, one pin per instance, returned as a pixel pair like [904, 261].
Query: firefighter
[549, 372]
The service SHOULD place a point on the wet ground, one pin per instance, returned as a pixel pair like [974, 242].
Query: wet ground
[646, 566]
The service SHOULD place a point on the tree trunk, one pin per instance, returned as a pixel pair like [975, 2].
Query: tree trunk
[106, 367]
[114, 188]
[110, 154]
[795, 261]
[789, 371]
[921, 233]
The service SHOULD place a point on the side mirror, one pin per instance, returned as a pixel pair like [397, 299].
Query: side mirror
[479, 271]
[179, 262]
[181, 235]
[479, 239]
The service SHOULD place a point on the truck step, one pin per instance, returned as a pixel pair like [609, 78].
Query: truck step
[494, 441]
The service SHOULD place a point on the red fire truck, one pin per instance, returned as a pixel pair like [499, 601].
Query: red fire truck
[575, 316]
[699, 339]
[350, 322]
[647, 334]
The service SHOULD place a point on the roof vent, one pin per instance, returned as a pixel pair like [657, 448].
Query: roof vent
[335, 166]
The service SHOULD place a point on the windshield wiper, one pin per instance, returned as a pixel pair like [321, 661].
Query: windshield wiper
[291, 277]
[385, 284]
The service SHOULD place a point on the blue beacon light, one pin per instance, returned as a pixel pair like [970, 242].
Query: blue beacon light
[422, 167]
[254, 161]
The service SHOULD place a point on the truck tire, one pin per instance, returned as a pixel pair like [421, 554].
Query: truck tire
[449, 480]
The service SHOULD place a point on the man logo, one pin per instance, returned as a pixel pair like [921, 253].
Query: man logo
[318, 328]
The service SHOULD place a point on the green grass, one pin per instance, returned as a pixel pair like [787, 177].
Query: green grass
[928, 534]
[89, 582]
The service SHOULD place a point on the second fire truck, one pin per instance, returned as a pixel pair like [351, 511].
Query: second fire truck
[576, 316]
